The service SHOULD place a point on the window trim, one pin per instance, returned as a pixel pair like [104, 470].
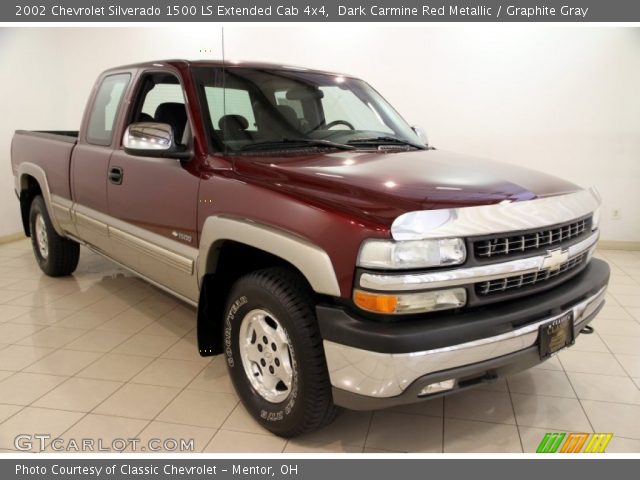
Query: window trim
[108, 142]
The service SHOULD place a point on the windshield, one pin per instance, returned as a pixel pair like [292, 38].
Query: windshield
[256, 108]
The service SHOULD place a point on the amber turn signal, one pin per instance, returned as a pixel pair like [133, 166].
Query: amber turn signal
[374, 302]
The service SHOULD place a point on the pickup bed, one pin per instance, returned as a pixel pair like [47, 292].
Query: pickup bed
[335, 258]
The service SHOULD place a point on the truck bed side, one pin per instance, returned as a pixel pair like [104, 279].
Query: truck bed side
[49, 150]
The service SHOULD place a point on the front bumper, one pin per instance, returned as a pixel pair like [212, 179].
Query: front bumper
[376, 365]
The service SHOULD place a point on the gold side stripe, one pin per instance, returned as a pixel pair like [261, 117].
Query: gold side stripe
[91, 223]
[168, 257]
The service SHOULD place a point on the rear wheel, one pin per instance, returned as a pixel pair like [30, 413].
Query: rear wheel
[57, 256]
[274, 353]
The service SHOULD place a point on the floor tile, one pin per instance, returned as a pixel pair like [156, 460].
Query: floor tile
[239, 420]
[97, 341]
[405, 433]
[7, 410]
[591, 362]
[137, 401]
[552, 363]
[10, 312]
[463, 436]
[295, 446]
[5, 373]
[480, 405]
[154, 437]
[175, 323]
[12, 332]
[550, 412]
[623, 445]
[186, 349]
[612, 312]
[84, 319]
[17, 357]
[605, 388]
[168, 373]
[116, 367]
[30, 421]
[346, 434]
[590, 343]
[199, 408]
[63, 362]
[634, 312]
[125, 324]
[622, 344]
[241, 442]
[622, 420]
[24, 388]
[214, 378]
[150, 345]
[542, 382]
[628, 300]
[106, 429]
[433, 407]
[629, 328]
[54, 337]
[78, 394]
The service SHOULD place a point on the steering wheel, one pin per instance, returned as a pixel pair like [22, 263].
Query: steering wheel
[338, 122]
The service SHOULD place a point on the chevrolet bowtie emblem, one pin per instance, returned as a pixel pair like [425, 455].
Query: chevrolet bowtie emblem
[554, 259]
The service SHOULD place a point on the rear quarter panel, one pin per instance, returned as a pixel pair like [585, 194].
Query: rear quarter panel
[48, 153]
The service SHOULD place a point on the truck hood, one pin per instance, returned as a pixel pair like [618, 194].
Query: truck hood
[379, 187]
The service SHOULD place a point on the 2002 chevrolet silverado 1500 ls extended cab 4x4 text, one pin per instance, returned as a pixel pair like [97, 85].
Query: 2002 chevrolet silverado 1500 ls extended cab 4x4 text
[335, 259]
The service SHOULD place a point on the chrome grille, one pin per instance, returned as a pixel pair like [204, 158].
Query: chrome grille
[515, 245]
[522, 281]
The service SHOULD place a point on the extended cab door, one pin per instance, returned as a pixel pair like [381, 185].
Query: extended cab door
[153, 201]
[90, 160]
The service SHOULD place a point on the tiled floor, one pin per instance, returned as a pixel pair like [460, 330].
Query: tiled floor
[102, 354]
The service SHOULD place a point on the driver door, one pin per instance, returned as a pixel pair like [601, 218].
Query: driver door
[153, 200]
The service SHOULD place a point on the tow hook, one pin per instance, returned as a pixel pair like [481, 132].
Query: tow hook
[587, 330]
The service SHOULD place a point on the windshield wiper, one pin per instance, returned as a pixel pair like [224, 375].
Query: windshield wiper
[295, 142]
[383, 141]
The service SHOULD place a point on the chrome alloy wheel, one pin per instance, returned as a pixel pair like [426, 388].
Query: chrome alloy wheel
[41, 236]
[265, 350]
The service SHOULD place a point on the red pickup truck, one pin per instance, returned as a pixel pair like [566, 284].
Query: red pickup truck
[335, 258]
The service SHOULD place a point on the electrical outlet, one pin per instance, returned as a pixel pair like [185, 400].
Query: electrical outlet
[616, 214]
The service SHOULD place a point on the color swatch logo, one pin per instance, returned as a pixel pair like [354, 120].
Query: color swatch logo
[573, 442]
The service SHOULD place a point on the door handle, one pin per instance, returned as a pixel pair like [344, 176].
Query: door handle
[115, 175]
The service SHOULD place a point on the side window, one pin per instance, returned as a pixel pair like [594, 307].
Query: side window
[105, 109]
[162, 93]
[229, 101]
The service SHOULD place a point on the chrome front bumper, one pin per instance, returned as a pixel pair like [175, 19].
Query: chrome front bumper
[384, 375]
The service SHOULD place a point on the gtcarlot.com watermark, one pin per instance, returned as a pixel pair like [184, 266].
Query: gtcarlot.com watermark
[43, 441]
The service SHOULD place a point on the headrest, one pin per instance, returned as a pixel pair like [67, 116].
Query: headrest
[235, 122]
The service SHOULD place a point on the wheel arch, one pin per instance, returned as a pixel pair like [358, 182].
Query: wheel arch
[231, 248]
[31, 181]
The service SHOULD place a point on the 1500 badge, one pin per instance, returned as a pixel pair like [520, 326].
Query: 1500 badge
[182, 236]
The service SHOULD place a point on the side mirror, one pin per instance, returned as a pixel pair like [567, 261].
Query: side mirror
[422, 135]
[151, 139]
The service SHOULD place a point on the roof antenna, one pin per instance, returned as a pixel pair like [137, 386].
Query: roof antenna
[224, 88]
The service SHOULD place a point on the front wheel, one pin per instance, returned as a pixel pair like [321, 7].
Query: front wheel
[56, 255]
[274, 353]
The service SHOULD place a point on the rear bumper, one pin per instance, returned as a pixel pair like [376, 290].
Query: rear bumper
[376, 365]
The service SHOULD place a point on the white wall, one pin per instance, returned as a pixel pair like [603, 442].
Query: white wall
[562, 100]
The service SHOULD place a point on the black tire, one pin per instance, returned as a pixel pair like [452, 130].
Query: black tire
[308, 404]
[62, 254]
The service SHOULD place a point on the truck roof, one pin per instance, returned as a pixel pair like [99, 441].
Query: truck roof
[225, 63]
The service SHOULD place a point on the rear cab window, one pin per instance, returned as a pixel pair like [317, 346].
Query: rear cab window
[105, 109]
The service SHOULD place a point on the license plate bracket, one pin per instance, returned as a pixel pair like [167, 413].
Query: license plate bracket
[556, 335]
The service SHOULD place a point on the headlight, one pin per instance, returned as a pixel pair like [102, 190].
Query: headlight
[411, 253]
[404, 303]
